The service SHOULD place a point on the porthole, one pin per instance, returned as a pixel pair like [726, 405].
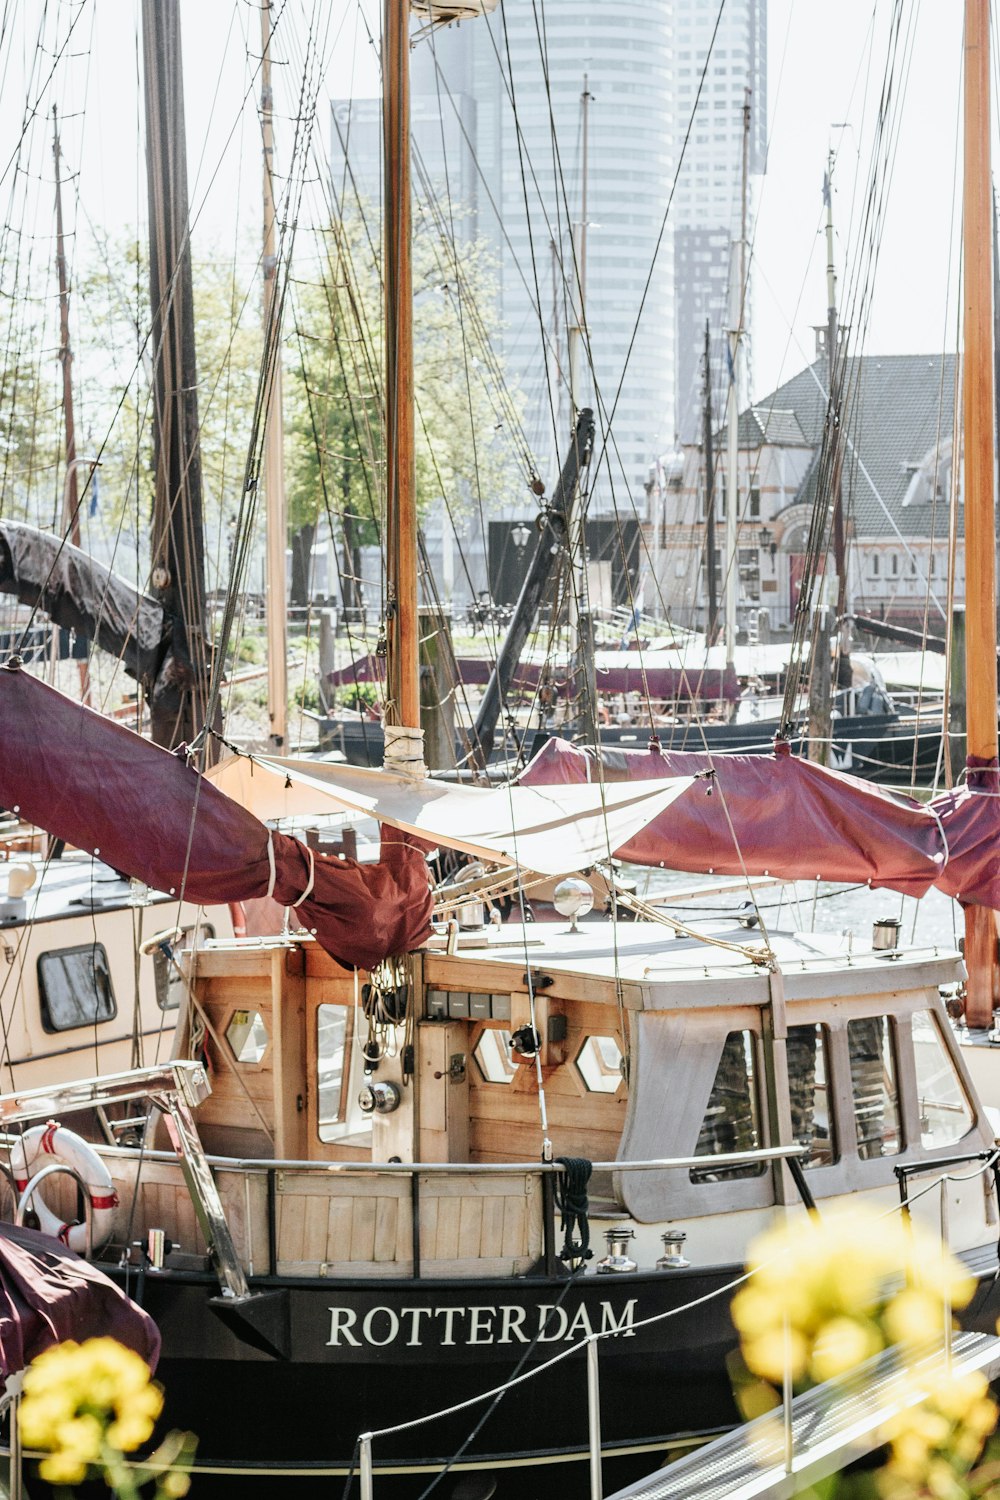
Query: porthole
[599, 1063]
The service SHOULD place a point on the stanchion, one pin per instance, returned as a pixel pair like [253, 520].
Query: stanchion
[594, 1421]
[365, 1442]
[946, 1291]
[786, 1399]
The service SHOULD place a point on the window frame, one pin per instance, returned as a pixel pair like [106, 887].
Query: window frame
[49, 1026]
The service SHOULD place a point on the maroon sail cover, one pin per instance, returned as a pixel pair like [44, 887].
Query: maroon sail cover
[48, 1295]
[147, 813]
[789, 818]
[612, 676]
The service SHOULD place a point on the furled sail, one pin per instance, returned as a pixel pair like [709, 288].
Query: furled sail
[48, 1294]
[147, 813]
[550, 834]
[778, 815]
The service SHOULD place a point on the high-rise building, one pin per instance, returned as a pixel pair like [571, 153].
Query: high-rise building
[499, 107]
[707, 204]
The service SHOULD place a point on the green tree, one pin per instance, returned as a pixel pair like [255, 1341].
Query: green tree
[465, 451]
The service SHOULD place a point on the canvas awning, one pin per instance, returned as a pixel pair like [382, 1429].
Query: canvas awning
[550, 830]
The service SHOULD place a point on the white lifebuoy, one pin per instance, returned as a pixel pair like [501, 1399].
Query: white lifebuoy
[56, 1141]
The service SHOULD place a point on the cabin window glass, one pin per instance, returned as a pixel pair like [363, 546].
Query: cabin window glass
[732, 1119]
[945, 1113]
[74, 986]
[167, 979]
[809, 1093]
[247, 1035]
[494, 1057]
[333, 1040]
[873, 1084]
[599, 1063]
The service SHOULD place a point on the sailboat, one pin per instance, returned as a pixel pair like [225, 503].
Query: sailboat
[368, 1212]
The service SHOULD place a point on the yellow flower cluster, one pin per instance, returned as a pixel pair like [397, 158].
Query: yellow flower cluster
[820, 1299]
[81, 1400]
[936, 1440]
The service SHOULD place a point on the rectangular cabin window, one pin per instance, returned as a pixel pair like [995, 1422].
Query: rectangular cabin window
[809, 1093]
[873, 1084]
[945, 1113]
[74, 986]
[333, 1040]
[167, 978]
[732, 1118]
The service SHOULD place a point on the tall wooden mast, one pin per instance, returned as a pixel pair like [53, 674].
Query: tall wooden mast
[402, 625]
[274, 469]
[980, 530]
[177, 705]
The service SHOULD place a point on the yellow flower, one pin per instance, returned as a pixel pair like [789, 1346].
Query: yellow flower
[914, 1317]
[79, 1397]
[842, 1344]
[175, 1485]
[768, 1354]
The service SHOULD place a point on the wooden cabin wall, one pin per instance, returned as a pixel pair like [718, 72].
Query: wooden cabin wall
[504, 1119]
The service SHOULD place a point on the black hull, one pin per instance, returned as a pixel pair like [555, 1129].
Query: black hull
[423, 1346]
[662, 1386]
[884, 748]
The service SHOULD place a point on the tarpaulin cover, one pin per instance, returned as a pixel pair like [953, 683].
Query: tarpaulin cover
[80, 594]
[48, 1295]
[789, 818]
[658, 674]
[549, 833]
[101, 787]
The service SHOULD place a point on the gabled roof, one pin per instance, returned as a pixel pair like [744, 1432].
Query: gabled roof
[769, 424]
[897, 415]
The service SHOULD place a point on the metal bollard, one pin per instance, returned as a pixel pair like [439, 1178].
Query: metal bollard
[594, 1421]
[366, 1465]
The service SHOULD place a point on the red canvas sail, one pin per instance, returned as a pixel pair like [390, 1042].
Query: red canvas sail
[767, 815]
[147, 813]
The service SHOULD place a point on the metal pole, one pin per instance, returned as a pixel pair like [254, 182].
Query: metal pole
[737, 309]
[274, 432]
[945, 1293]
[786, 1402]
[366, 1465]
[594, 1421]
[15, 1479]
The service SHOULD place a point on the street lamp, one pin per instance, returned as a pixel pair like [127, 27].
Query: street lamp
[519, 535]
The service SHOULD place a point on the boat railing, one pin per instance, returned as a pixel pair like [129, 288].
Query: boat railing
[178, 1087]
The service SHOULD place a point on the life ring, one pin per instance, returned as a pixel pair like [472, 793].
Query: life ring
[55, 1140]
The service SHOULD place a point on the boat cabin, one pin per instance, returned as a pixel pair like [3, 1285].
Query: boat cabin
[687, 1052]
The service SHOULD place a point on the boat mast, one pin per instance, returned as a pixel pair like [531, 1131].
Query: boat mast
[71, 491]
[980, 534]
[274, 430]
[402, 623]
[736, 309]
[836, 446]
[712, 623]
[178, 701]
[581, 617]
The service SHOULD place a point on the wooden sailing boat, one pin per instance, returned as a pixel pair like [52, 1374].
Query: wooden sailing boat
[371, 1237]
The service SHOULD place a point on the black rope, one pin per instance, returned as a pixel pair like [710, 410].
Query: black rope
[574, 1204]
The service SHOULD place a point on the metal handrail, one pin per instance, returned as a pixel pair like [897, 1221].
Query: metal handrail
[724, 1159]
[35, 1182]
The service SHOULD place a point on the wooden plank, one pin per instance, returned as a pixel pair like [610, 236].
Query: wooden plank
[492, 1230]
[498, 1141]
[363, 1229]
[515, 1226]
[291, 1225]
[291, 1082]
[386, 1229]
[340, 1213]
[428, 1228]
[385, 1270]
[449, 1219]
[342, 1185]
[315, 1237]
[470, 1227]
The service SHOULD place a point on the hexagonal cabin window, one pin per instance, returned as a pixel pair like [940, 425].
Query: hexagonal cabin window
[599, 1063]
[247, 1035]
[493, 1055]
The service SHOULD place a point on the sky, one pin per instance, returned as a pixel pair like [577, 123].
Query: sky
[825, 64]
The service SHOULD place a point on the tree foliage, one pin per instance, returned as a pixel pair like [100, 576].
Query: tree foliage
[463, 451]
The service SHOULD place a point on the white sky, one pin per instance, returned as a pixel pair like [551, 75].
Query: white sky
[825, 61]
